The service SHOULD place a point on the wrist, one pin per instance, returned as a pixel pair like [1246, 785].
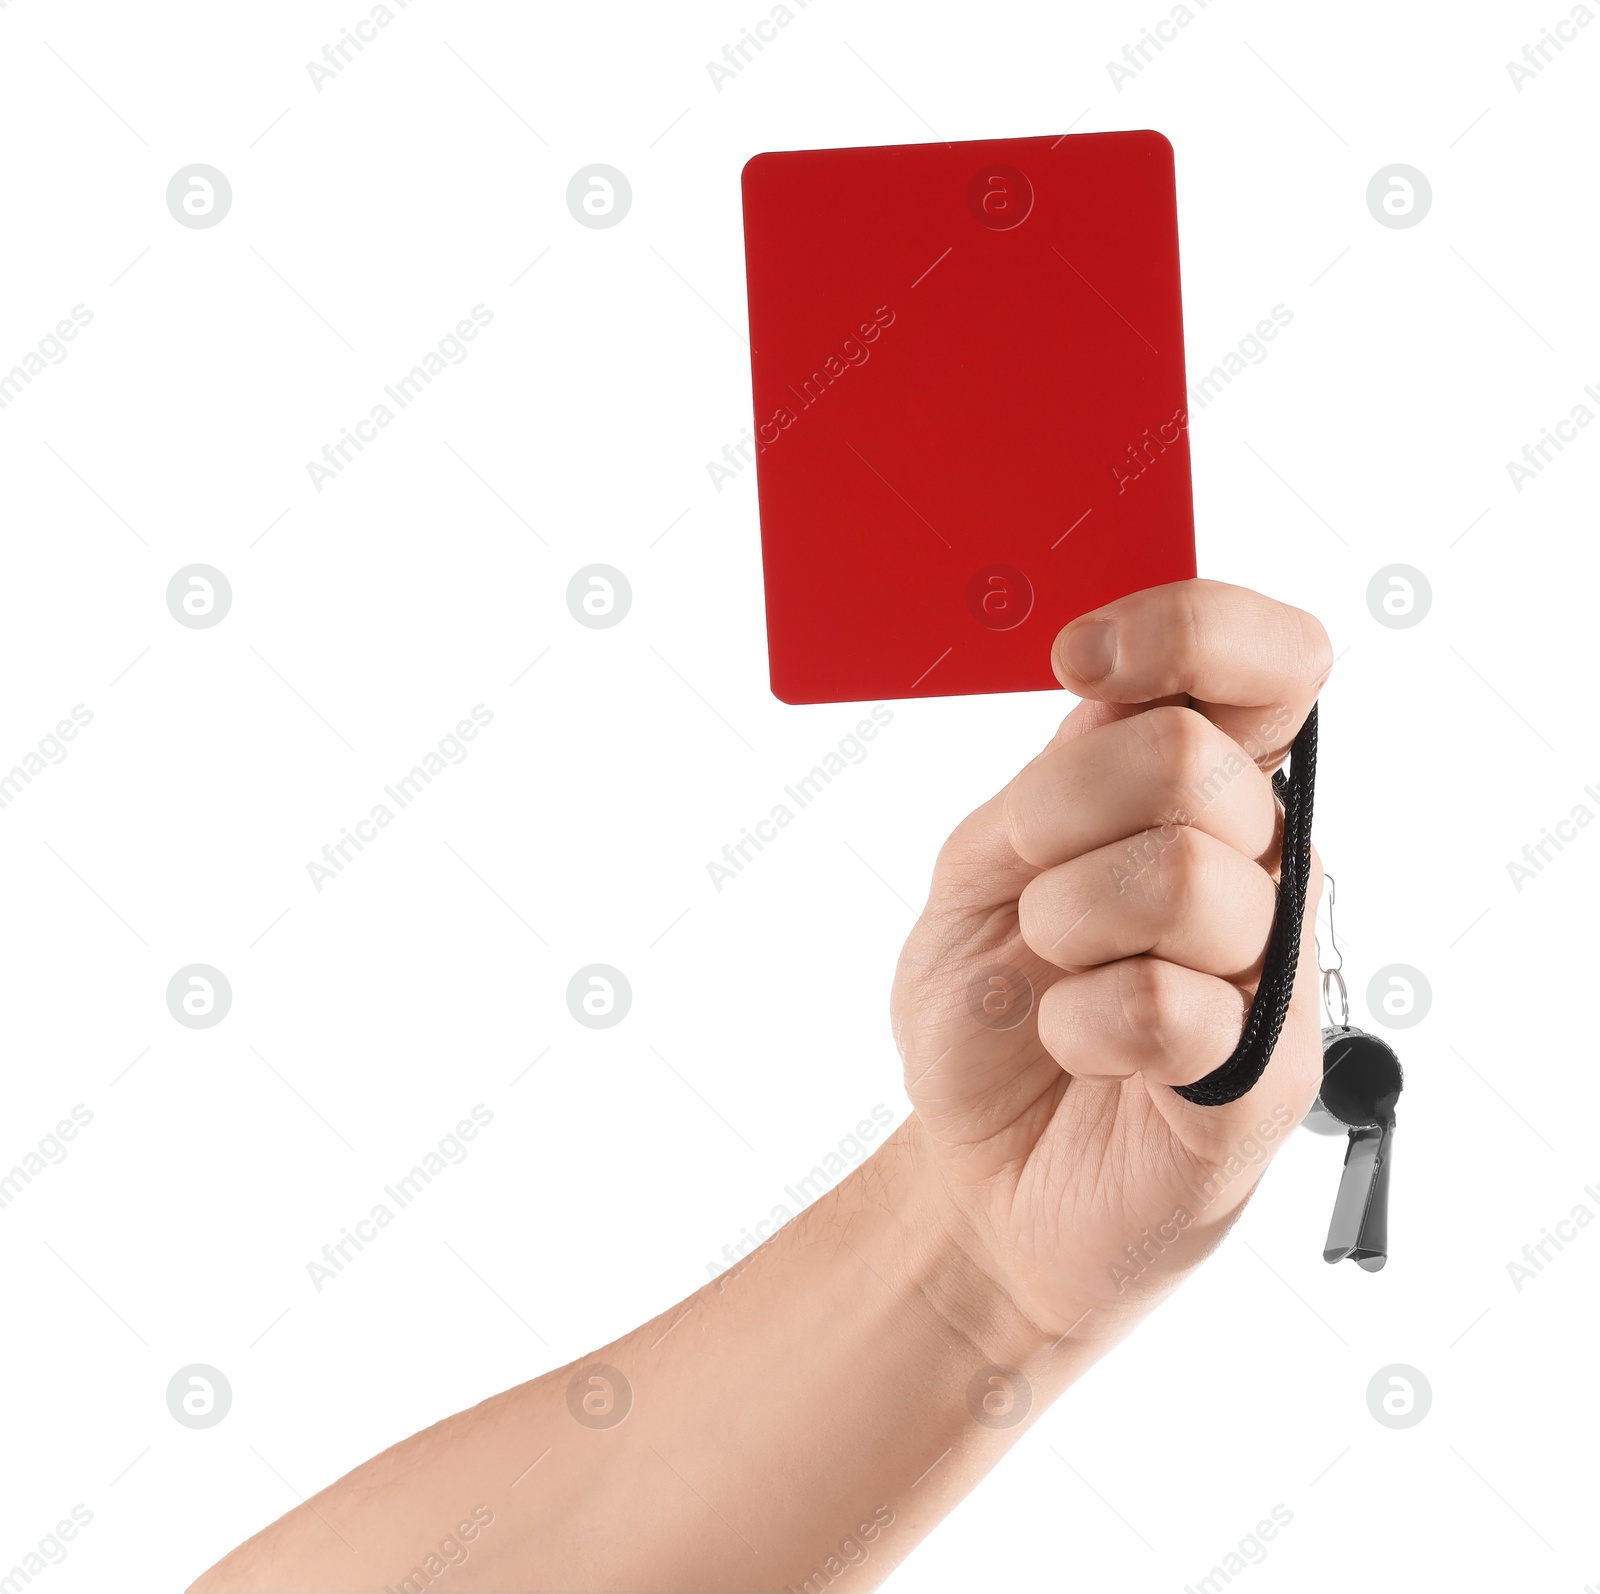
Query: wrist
[935, 1248]
[1067, 1307]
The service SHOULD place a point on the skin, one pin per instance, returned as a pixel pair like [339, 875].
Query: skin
[806, 1418]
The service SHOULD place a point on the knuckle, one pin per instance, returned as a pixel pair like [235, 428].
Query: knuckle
[1059, 1020]
[969, 850]
[1035, 913]
[1154, 1011]
[1185, 741]
[1186, 872]
[1186, 639]
[1319, 649]
[1050, 908]
[1022, 815]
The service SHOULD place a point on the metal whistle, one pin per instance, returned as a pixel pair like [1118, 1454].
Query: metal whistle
[1361, 1081]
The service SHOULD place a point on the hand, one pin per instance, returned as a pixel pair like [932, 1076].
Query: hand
[1093, 937]
[1123, 884]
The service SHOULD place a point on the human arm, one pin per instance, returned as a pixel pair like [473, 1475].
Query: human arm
[826, 1402]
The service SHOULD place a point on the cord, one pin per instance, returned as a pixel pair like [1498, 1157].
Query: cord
[1264, 1021]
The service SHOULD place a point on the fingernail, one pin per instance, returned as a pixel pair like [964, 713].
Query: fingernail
[1090, 649]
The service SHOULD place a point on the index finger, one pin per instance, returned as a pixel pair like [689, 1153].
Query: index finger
[1253, 666]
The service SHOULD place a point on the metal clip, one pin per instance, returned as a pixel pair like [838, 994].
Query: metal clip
[1332, 978]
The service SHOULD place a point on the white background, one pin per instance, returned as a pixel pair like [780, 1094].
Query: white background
[430, 976]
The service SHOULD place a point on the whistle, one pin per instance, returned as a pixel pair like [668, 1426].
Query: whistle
[1361, 1081]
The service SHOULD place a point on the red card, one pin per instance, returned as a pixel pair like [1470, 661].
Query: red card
[971, 424]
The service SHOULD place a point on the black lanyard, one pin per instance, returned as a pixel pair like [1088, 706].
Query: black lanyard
[1267, 1012]
[1361, 1075]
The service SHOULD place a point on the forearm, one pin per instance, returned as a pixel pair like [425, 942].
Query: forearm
[810, 1411]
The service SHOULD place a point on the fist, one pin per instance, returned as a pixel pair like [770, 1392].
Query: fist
[1093, 938]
